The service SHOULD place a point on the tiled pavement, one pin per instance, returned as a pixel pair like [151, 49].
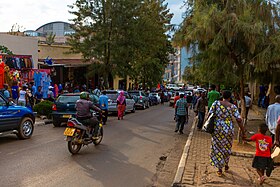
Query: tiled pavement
[199, 172]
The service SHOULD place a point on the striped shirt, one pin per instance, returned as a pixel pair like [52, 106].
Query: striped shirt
[182, 106]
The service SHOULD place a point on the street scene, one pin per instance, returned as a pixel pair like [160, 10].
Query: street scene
[134, 93]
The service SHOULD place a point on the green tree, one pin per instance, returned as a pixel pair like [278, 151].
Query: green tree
[5, 50]
[122, 37]
[235, 39]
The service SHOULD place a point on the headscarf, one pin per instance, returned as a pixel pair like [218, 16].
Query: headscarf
[121, 97]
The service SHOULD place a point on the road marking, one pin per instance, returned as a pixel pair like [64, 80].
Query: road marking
[181, 167]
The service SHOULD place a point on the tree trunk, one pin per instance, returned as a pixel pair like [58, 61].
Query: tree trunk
[243, 108]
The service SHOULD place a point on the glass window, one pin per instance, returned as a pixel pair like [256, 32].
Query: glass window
[68, 98]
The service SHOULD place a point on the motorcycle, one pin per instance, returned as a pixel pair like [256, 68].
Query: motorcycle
[77, 134]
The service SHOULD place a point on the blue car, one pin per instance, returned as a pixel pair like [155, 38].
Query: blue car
[15, 119]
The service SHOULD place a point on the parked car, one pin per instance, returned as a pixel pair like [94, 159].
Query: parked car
[15, 119]
[64, 107]
[156, 95]
[172, 87]
[141, 100]
[112, 101]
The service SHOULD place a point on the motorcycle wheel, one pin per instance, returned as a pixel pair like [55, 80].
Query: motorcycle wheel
[100, 136]
[73, 146]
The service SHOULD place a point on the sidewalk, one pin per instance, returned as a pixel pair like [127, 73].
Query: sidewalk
[199, 172]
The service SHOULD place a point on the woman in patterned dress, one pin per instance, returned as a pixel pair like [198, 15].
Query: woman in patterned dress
[222, 137]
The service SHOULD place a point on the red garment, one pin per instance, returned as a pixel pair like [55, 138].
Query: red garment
[278, 121]
[2, 74]
[176, 98]
[263, 144]
[121, 109]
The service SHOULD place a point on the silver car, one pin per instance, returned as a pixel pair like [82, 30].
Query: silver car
[112, 101]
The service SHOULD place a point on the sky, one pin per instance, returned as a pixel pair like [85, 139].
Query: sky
[31, 14]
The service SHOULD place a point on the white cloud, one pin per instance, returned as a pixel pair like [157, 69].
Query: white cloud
[178, 11]
[31, 14]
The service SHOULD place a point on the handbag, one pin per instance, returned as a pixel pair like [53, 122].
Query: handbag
[209, 124]
[276, 155]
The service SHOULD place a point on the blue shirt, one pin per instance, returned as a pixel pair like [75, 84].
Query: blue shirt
[103, 102]
[7, 94]
[182, 106]
[272, 114]
[15, 92]
[39, 95]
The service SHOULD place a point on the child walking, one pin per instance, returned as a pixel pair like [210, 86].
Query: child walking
[262, 160]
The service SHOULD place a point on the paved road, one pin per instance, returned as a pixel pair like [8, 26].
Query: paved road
[128, 155]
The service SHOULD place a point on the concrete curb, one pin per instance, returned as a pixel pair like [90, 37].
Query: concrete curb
[181, 167]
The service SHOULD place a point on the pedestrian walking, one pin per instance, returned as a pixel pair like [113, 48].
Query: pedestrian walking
[15, 92]
[6, 92]
[200, 109]
[248, 104]
[162, 97]
[103, 104]
[189, 98]
[277, 133]
[212, 96]
[222, 137]
[272, 114]
[181, 114]
[121, 105]
[262, 160]
[23, 98]
[176, 98]
[38, 95]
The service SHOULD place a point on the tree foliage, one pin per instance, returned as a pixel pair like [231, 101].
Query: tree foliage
[235, 39]
[122, 37]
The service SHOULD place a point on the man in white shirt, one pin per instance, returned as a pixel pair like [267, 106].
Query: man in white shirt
[272, 114]
[248, 103]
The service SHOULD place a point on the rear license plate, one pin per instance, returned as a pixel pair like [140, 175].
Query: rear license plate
[69, 131]
[67, 116]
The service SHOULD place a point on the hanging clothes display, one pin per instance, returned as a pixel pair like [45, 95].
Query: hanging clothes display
[2, 74]
[37, 77]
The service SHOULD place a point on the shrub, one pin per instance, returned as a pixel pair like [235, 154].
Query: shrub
[44, 108]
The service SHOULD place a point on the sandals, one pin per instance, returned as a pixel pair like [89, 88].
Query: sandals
[226, 168]
[262, 179]
[219, 173]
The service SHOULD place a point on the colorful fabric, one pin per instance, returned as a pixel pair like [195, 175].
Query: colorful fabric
[223, 134]
[272, 114]
[263, 144]
[121, 109]
[2, 75]
[181, 106]
[121, 98]
[212, 97]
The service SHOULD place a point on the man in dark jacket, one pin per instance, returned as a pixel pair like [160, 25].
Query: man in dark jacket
[83, 107]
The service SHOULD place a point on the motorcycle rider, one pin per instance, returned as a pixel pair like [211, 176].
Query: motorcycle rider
[83, 107]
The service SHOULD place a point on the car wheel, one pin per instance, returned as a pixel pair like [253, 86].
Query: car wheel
[26, 128]
[133, 110]
[56, 123]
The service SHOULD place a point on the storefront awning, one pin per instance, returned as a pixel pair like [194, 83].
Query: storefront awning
[68, 62]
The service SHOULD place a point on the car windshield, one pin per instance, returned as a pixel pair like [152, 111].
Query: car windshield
[135, 93]
[112, 96]
[68, 98]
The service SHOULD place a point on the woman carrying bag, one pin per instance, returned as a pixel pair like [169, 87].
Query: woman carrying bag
[222, 137]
